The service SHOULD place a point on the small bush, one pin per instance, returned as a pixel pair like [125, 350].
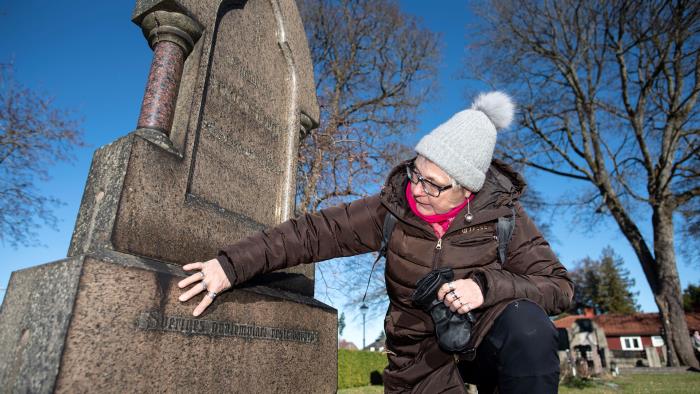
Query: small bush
[358, 368]
[574, 382]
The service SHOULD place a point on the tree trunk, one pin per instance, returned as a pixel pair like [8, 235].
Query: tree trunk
[311, 185]
[662, 275]
[668, 295]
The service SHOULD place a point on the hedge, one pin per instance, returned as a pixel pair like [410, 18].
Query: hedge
[357, 368]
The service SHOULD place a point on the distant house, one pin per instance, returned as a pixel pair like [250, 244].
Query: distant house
[343, 344]
[632, 340]
[637, 339]
[376, 346]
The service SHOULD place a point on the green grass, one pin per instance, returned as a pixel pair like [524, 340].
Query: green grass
[363, 390]
[641, 383]
[637, 383]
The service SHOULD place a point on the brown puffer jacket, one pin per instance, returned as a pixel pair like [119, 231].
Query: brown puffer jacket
[416, 363]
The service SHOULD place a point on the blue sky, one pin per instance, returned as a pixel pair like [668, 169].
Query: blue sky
[93, 60]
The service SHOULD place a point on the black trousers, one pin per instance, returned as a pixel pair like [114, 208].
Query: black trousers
[519, 354]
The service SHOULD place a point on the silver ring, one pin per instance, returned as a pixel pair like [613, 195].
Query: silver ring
[211, 294]
[202, 274]
[204, 284]
[454, 293]
[450, 286]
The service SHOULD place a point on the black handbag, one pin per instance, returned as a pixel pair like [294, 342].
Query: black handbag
[452, 330]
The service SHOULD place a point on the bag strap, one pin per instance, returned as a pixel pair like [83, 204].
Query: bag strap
[505, 228]
[389, 224]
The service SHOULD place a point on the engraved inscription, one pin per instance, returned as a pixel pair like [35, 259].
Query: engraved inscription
[257, 32]
[155, 321]
[262, 155]
[235, 97]
[247, 75]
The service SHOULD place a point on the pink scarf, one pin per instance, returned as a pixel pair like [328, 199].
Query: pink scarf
[440, 222]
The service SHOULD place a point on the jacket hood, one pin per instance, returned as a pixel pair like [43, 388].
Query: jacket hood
[503, 180]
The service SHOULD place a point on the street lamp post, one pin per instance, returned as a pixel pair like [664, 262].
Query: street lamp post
[363, 309]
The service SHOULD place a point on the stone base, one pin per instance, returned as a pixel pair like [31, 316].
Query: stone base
[111, 322]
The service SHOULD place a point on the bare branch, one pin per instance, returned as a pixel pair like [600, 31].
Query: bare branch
[684, 196]
[33, 137]
[609, 92]
[375, 65]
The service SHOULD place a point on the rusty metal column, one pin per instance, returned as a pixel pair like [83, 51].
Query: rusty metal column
[172, 36]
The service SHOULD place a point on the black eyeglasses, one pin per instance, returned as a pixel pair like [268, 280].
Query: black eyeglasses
[429, 187]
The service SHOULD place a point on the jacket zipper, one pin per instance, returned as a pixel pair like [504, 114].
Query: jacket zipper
[438, 248]
[476, 241]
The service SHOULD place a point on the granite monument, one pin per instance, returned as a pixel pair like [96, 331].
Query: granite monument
[212, 159]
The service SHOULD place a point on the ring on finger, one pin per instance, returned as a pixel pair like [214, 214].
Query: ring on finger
[201, 273]
[204, 284]
[212, 295]
[451, 286]
[454, 295]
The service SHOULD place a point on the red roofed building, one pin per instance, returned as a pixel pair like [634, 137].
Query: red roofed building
[630, 340]
[343, 344]
[629, 335]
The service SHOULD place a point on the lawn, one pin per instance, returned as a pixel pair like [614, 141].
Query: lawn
[687, 382]
[363, 390]
[633, 383]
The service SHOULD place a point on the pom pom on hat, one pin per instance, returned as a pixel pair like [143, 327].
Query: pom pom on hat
[463, 146]
[497, 106]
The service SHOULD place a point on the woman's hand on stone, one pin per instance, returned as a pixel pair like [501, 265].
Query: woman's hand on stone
[209, 278]
[461, 295]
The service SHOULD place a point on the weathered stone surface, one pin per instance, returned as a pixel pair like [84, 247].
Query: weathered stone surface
[96, 326]
[34, 319]
[228, 167]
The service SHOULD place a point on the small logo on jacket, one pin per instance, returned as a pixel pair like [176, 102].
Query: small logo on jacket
[471, 229]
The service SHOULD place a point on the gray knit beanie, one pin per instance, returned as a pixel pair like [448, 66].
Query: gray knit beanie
[463, 146]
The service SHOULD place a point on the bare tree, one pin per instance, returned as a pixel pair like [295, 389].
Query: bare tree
[374, 66]
[33, 137]
[608, 93]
